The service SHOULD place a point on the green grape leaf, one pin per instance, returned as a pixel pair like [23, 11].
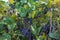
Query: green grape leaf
[54, 35]
[6, 36]
[23, 1]
[23, 13]
[35, 29]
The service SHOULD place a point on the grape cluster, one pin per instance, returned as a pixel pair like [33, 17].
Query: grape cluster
[45, 29]
[26, 32]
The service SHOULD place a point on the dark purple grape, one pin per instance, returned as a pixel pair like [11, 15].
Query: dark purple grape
[20, 27]
[24, 31]
[18, 24]
[51, 29]
[12, 6]
[30, 20]
[26, 20]
[29, 35]
[44, 29]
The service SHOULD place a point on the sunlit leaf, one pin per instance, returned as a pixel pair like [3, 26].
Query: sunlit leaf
[11, 1]
[58, 18]
[49, 14]
[49, 3]
[43, 36]
[33, 14]
[57, 1]
[23, 13]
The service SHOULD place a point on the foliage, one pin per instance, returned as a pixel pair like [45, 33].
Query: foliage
[29, 19]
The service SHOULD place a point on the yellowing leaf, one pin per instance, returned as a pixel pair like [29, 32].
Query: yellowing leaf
[33, 14]
[11, 1]
[56, 1]
[13, 17]
[25, 6]
[49, 14]
[43, 36]
[49, 3]
[58, 18]
[40, 9]
[29, 15]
